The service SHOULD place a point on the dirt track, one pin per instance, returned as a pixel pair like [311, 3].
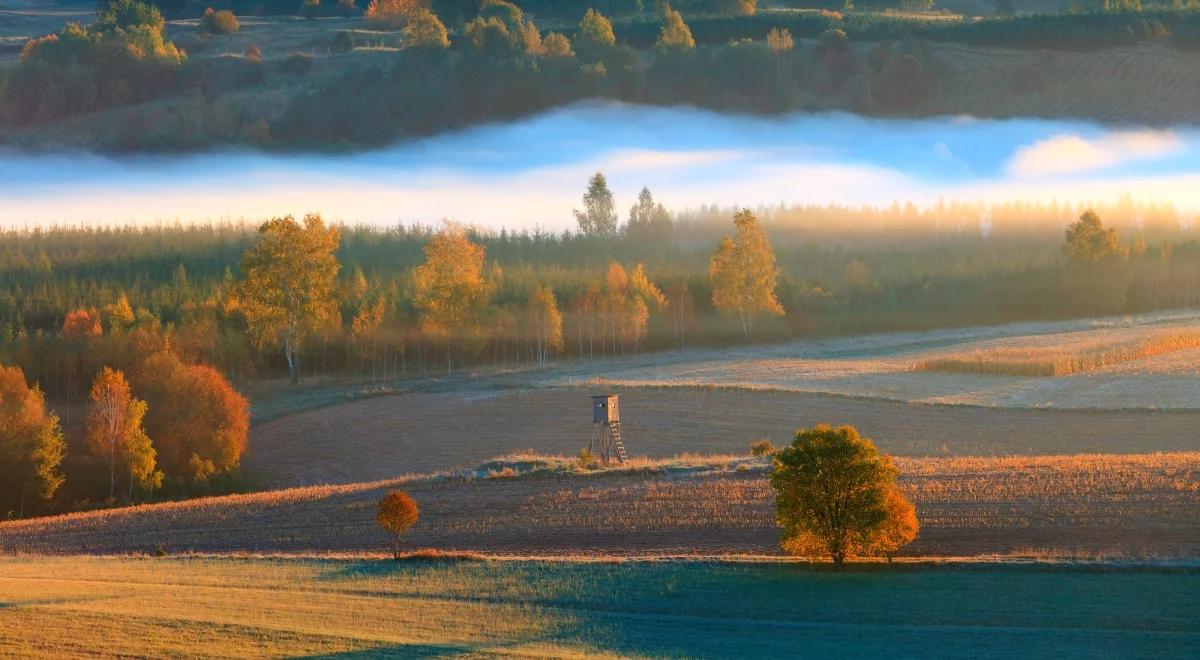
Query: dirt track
[384, 437]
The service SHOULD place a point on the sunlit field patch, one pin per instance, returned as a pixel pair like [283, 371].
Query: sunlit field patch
[56, 607]
[1063, 359]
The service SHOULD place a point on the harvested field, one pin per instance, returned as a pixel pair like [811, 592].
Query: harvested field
[380, 437]
[1107, 505]
[1132, 373]
[1064, 359]
[271, 608]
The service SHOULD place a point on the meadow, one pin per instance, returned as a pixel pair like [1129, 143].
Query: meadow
[1088, 505]
[271, 607]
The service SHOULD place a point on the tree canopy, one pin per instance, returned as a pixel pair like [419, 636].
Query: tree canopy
[743, 273]
[450, 288]
[599, 214]
[836, 495]
[31, 445]
[397, 512]
[675, 37]
[288, 287]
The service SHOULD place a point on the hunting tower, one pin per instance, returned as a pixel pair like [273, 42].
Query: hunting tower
[606, 428]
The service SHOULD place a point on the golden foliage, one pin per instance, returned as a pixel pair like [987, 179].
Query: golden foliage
[424, 30]
[1061, 360]
[899, 528]
[115, 433]
[82, 324]
[396, 513]
[743, 273]
[547, 322]
[392, 13]
[451, 291]
[674, 36]
[31, 444]
[833, 491]
[289, 282]
[199, 423]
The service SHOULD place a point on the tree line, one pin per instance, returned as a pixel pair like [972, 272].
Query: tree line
[460, 63]
[393, 302]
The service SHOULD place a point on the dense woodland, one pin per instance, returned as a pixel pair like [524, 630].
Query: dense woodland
[452, 64]
[841, 270]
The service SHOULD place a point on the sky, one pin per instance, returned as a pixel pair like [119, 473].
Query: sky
[531, 173]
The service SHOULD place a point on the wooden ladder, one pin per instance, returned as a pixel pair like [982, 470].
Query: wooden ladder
[620, 446]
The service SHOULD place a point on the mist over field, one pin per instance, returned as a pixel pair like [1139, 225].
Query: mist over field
[527, 174]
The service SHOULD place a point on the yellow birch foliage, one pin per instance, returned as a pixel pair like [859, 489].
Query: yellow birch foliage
[743, 273]
[289, 281]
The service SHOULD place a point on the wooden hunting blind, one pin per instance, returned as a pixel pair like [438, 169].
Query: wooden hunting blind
[606, 428]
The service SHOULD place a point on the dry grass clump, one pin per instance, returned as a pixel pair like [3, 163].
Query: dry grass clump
[1061, 360]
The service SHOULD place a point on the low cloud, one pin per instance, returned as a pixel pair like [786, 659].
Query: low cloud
[1065, 154]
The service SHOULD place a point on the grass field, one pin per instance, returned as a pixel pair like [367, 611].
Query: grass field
[1090, 505]
[223, 607]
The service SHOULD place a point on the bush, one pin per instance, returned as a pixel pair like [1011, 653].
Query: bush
[761, 447]
[310, 9]
[220, 22]
[424, 31]
[588, 459]
[296, 64]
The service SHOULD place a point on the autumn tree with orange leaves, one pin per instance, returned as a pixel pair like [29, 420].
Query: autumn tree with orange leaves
[82, 325]
[836, 495]
[198, 421]
[114, 431]
[289, 280]
[547, 322]
[743, 273]
[397, 512]
[392, 13]
[450, 289]
[31, 445]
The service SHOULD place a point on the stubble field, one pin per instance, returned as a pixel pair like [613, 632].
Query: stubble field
[381, 437]
[1111, 506]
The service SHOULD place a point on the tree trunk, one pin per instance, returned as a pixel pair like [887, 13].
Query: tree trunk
[112, 467]
[293, 370]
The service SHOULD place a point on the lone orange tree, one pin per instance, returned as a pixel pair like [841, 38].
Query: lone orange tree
[836, 495]
[397, 512]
